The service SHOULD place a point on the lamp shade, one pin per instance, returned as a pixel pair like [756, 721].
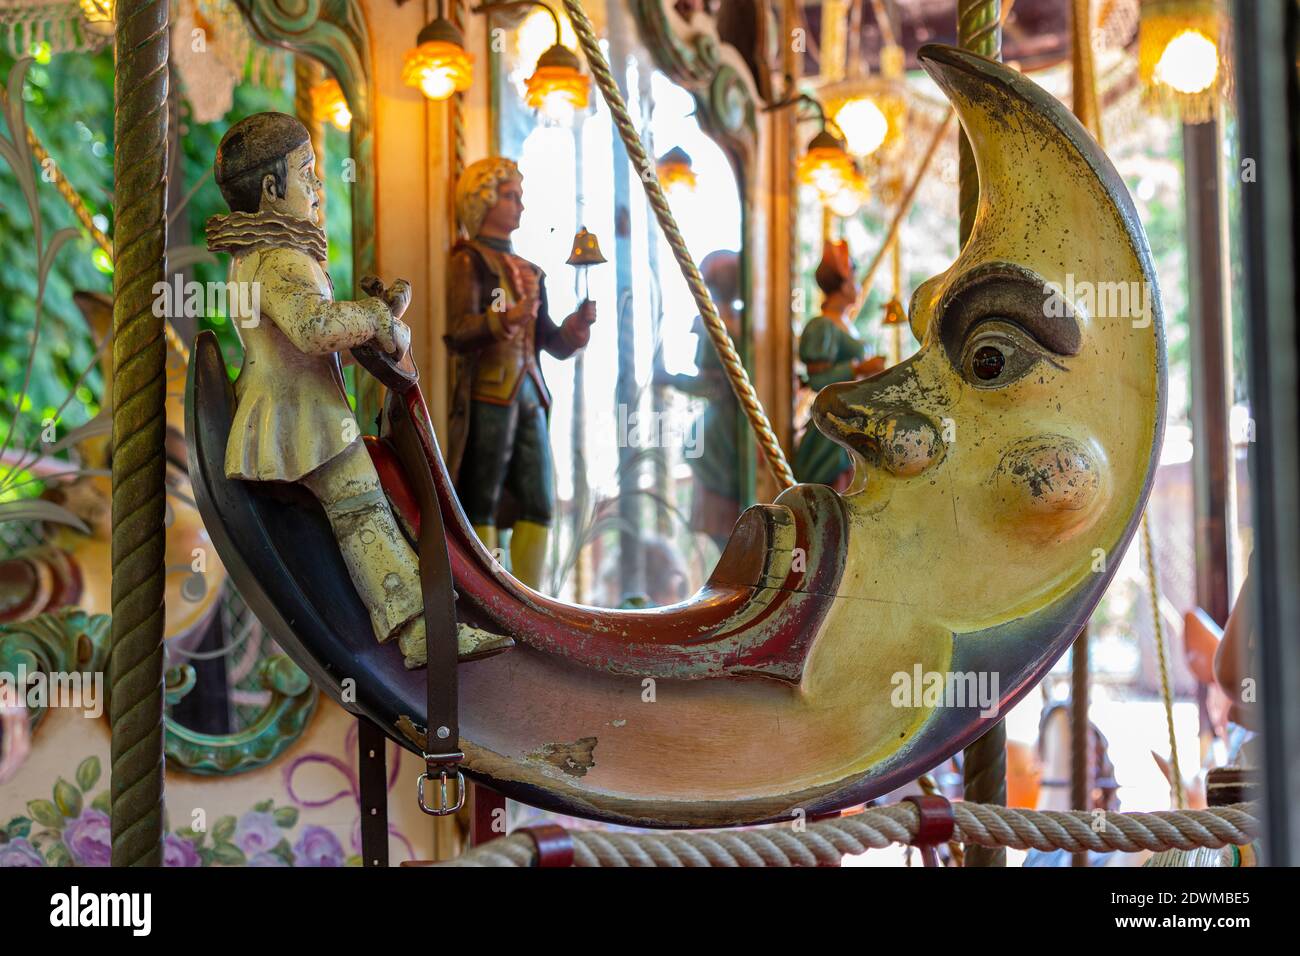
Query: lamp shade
[439, 65]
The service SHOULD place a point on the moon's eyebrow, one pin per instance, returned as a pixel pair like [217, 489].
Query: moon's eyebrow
[1013, 292]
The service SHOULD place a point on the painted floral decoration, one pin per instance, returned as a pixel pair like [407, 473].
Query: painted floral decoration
[72, 829]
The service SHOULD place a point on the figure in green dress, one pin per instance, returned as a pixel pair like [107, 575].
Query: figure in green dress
[712, 451]
[831, 352]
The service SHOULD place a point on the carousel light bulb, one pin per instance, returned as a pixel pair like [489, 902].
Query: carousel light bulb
[675, 172]
[864, 124]
[1190, 62]
[558, 88]
[439, 65]
[826, 166]
[851, 197]
[329, 105]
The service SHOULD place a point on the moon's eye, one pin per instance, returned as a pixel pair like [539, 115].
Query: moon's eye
[997, 353]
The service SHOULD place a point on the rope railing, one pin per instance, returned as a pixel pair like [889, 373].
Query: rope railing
[825, 843]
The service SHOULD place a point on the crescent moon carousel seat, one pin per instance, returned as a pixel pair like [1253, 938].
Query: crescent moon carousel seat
[1001, 473]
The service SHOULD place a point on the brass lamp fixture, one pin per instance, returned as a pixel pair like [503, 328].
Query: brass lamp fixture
[1183, 56]
[826, 164]
[675, 172]
[329, 105]
[557, 88]
[871, 111]
[439, 65]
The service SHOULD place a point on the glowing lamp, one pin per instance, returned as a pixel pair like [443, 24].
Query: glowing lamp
[676, 175]
[1189, 63]
[826, 166]
[329, 105]
[558, 88]
[864, 125]
[871, 111]
[1182, 60]
[852, 196]
[439, 65]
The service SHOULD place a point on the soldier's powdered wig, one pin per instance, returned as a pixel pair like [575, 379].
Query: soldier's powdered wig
[476, 190]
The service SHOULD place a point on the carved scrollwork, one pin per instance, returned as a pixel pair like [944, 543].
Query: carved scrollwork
[67, 642]
[691, 53]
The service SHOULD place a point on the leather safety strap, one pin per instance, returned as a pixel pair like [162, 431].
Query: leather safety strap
[441, 786]
[372, 767]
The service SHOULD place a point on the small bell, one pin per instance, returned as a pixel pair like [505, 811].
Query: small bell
[586, 250]
[895, 314]
[895, 320]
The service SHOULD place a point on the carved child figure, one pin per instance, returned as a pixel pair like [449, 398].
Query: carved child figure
[292, 419]
[499, 324]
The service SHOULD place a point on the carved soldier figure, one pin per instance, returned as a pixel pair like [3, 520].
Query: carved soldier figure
[292, 420]
[499, 324]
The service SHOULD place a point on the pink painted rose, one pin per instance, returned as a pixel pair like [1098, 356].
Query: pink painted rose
[318, 846]
[89, 839]
[178, 851]
[256, 833]
[20, 853]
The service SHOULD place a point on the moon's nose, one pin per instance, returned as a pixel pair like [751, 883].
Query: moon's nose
[896, 438]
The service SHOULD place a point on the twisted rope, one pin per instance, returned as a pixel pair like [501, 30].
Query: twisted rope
[825, 843]
[1162, 657]
[645, 167]
[457, 105]
[139, 360]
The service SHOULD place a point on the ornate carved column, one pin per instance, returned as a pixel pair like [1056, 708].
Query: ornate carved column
[139, 425]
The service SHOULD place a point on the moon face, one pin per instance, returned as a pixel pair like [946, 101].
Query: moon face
[1000, 474]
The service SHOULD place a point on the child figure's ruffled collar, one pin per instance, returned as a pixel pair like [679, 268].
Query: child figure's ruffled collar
[241, 232]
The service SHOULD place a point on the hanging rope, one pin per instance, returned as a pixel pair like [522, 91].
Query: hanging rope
[1162, 657]
[645, 167]
[827, 842]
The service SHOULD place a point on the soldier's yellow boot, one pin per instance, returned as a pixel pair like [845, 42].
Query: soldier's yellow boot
[487, 533]
[528, 543]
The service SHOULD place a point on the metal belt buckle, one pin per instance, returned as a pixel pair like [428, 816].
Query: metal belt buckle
[446, 761]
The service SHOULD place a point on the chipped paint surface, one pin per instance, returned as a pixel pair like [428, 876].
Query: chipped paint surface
[575, 759]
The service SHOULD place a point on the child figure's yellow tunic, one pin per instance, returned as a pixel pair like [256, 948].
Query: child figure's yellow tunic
[292, 414]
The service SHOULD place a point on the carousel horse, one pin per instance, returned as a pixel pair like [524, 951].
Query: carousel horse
[1001, 473]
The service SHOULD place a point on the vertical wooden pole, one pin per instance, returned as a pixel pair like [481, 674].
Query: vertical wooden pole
[979, 29]
[139, 389]
[627, 395]
[1212, 362]
[1084, 96]
[1267, 36]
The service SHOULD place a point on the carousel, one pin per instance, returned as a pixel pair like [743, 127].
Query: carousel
[630, 432]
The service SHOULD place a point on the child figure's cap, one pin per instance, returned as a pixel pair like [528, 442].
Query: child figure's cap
[256, 141]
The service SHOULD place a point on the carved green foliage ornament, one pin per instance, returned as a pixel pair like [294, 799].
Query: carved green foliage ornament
[53, 647]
